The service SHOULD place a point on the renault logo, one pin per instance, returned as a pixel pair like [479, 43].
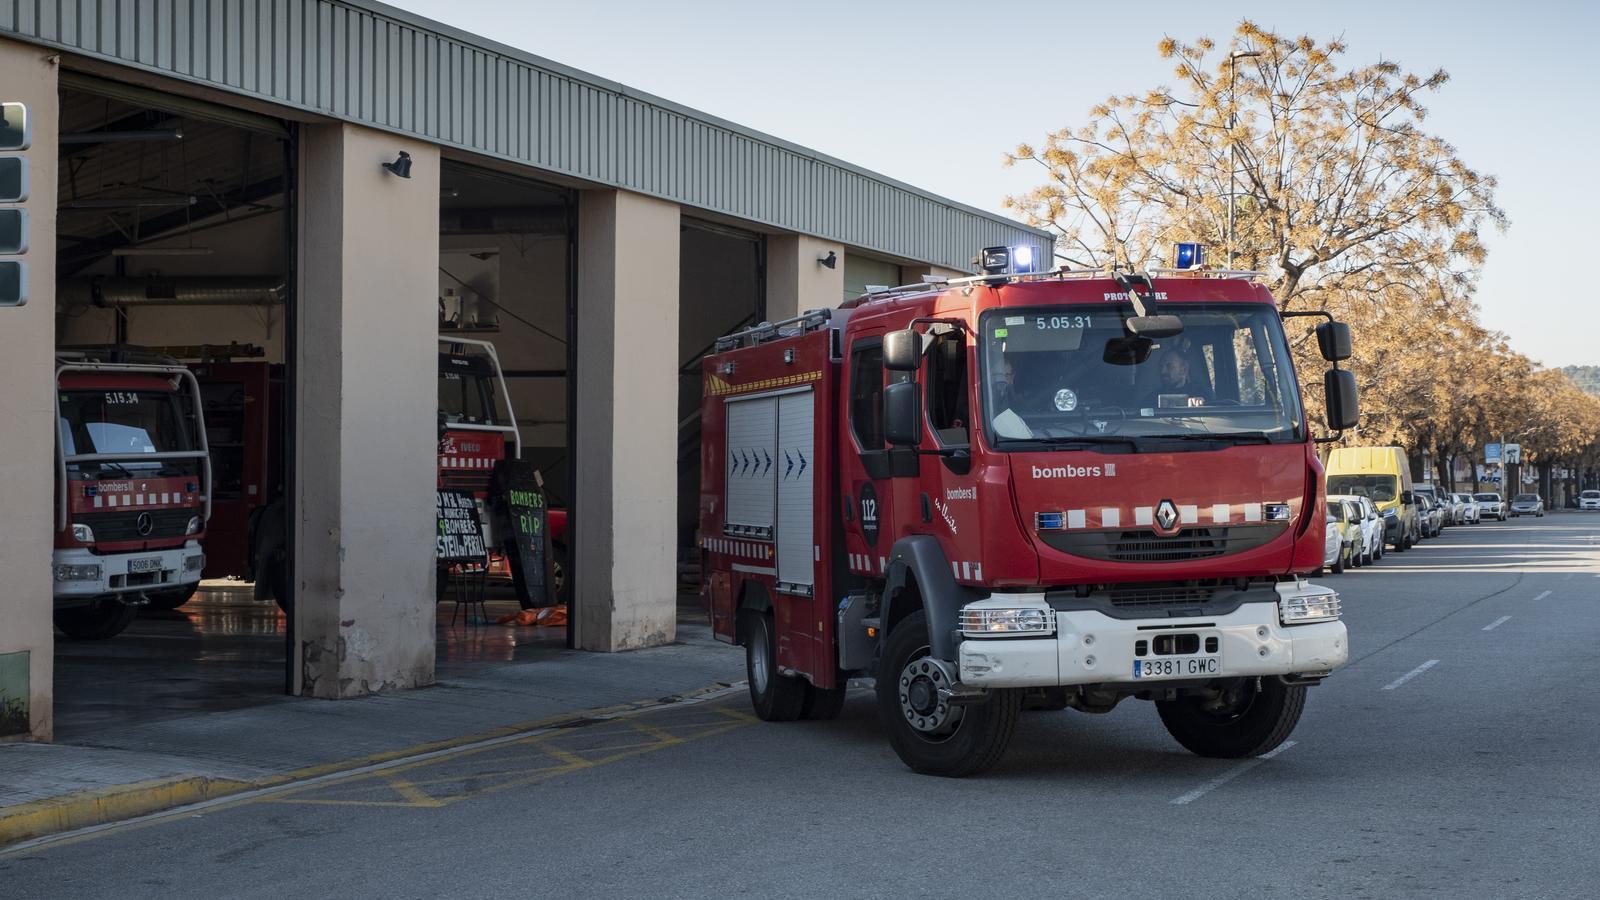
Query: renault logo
[146, 524]
[1166, 518]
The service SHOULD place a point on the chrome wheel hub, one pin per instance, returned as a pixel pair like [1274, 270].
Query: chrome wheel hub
[920, 701]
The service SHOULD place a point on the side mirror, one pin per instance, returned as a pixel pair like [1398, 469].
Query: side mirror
[1408, 498]
[1154, 326]
[1339, 388]
[1333, 339]
[902, 414]
[902, 350]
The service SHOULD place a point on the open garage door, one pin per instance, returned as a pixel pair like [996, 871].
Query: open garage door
[175, 247]
[720, 290]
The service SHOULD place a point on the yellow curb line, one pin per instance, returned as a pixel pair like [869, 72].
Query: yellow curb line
[124, 801]
[104, 806]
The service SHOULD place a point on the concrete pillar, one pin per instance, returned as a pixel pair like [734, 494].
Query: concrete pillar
[796, 281]
[365, 413]
[27, 421]
[625, 425]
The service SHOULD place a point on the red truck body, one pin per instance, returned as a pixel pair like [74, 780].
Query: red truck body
[814, 524]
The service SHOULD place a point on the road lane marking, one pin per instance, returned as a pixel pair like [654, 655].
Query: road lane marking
[1411, 674]
[1541, 596]
[1498, 622]
[1230, 775]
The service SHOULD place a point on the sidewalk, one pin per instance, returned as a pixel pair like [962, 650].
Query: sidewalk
[119, 773]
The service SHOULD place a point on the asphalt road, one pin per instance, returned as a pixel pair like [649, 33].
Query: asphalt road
[1456, 755]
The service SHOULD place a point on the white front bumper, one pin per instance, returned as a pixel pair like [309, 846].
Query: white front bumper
[115, 577]
[1090, 647]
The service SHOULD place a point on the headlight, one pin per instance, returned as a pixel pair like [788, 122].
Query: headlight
[1302, 604]
[194, 563]
[194, 525]
[1007, 621]
[83, 534]
[78, 573]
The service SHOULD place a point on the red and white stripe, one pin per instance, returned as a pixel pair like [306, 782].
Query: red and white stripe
[466, 462]
[141, 499]
[746, 549]
[1144, 516]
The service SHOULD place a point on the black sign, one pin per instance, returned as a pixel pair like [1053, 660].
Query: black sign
[519, 487]
[460, 537]
[869, 514]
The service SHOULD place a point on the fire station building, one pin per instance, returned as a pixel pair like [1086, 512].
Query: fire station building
[321, 188]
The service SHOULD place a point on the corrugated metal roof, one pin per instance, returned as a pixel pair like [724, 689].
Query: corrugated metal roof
[371, 64]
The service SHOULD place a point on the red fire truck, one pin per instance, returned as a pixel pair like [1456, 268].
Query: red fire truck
[1051, 490]
[133, 487]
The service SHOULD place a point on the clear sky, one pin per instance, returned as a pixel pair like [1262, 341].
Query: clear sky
[848, 79]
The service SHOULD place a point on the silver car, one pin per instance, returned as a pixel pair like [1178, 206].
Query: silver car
[1470, 512]
[1527, 505]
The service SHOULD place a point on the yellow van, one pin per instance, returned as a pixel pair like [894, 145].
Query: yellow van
[1384, 475]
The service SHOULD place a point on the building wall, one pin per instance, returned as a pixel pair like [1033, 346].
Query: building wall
[367, 397]
[27, 419]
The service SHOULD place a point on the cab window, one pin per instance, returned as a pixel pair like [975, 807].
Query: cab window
[947, 400]
[866, 394]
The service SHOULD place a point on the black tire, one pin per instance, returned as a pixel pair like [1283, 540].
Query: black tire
[171, 599]
[821, 704]
[1338, 561]
[978, 733]
[106, 619]
[1256, 723]
[776, 697]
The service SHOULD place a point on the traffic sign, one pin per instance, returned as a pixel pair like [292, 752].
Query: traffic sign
[1491, 454]
[1513, 453]
[16, 127]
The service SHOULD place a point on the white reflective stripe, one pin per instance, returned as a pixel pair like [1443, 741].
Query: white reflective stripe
[955, 569]
[816, 553]
[1143, 515]
[165, 499]
[99, 501]
[1189, 515]
[1111, 517]
[139, 499]
[966, 570]
[111, 500]
[1252, 512]
[1075, 518]
[977, 571]
[883, 564]
[1221, 513]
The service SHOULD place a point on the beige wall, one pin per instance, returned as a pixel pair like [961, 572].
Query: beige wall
[367, 397]
[626, 421]
[27, 423]
[796, 282]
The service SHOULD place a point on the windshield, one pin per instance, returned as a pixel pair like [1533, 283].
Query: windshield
[1590, 495]
[1071, 372]
[1527, 498]
[124, 423]
[1379, 488]
[1492, 498]
[470, 398]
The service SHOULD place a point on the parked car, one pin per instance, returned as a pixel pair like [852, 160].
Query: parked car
[1454, 509]
[1527, 505]
[1490, 505]
[1427, 490]
[1589, 500]
[1471, 514]
[1430, 516]
[1371, 547]
[1340, 538]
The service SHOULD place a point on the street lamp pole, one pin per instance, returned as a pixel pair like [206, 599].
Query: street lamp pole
[1233, 150]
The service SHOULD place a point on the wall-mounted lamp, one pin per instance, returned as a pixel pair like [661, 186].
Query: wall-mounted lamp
[401, 165]
[830, 261]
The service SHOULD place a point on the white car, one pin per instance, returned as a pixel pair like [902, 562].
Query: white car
[1332, 546]
[1470, 512]
[1589, 500]
[1491, 506]
[1371, 548]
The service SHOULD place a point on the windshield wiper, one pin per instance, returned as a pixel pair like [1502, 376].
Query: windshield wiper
[1229, 437]
[1081, 442]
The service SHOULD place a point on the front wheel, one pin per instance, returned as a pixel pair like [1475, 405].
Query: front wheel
[1246, 718]
[930, 734]
[1338, 561]
[105, 619]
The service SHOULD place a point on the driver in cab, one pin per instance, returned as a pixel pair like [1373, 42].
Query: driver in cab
[1177, 387]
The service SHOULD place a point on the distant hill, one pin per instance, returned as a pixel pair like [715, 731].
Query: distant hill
[1587, 377]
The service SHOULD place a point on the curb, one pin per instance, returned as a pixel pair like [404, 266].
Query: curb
[41, 819]
[124, 801]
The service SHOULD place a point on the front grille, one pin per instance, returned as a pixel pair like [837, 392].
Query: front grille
[1146, 546]
[124, 526]
[1145, 597]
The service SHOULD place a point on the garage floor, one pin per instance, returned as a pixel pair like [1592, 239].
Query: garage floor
[223, 651]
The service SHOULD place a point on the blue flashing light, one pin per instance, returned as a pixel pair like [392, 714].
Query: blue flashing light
[1050, 521]
[1189, 256]
[1021, 259]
